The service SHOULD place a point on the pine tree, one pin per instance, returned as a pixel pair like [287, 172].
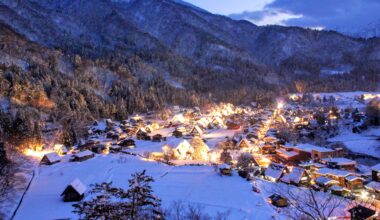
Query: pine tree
[144, 205]
[108, 203]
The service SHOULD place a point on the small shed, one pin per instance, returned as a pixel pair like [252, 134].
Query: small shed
[114, 148]
[50, 158]
[74, 191]
[277, 200]
[225, 169]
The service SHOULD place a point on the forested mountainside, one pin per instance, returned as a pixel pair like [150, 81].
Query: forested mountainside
[71, 61]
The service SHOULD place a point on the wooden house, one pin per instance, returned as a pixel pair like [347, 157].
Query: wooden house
[274, 172]
[142, 134]
[325, 182]
[277, 200]
[99, 148]
[50, 158]
[196, 131]
[82, 156]
[114, 148]
[360, 212]
[354, 182]
[63, 150]
[340, 163]
[335, 174]
[244, 144]
[376, 173]
[74, 191]
[374, 188]
[225, 170]
[297, 176]
[129, 143]
[267, 148]
[158, 138]
[339, 191]
[316, 152]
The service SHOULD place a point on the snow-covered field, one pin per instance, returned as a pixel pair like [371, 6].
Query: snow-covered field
[364, 143]
[189, 184]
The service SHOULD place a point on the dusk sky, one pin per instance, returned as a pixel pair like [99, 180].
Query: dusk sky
[351, 16]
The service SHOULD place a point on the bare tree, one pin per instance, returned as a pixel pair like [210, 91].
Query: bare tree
[310, 205]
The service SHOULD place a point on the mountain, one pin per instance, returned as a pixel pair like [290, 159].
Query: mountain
[87, 59]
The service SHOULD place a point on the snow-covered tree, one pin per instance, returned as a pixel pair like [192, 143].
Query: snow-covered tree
[110, 202]
[245, 161]
[143, 204]
[225, 157]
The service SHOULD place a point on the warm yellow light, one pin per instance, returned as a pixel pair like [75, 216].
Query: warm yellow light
[280, 105]
[37, 154]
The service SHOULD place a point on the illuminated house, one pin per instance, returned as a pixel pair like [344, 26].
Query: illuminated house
[196, 131]
[244, 143]
[274, 172]
[297, 176]
[339, 163]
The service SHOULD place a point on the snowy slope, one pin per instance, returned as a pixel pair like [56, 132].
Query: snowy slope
[190, 184]
[364, 143]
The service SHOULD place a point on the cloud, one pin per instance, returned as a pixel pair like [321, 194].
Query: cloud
[226, 7]
[355, 17]
[268, 17]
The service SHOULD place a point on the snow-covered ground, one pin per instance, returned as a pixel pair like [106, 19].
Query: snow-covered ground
[198, 185]
[365, 143]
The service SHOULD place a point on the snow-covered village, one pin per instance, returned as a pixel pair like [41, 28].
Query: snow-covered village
[314, 155]
[189, 110]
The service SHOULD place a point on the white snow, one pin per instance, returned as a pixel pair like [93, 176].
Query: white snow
[198, 185]
[53, 157]
[364, 143]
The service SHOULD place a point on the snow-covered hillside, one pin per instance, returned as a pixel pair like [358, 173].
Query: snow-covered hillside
[189, 184]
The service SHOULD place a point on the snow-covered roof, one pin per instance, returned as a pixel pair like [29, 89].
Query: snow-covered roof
[322, 180]
[224, 166]
[376, 167]
[336, 188]
[84, 153]
[78, 186]
[309, 148]
[294, 176]
[340, 161]
[352, 178]
[373, 185]
[335, 172]
[53, 157]
[307, 164]
[274, 170]
[286, 153]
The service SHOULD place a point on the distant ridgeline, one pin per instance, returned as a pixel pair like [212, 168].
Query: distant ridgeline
[105, 59]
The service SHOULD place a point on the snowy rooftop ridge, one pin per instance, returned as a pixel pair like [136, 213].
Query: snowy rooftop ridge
[53, 157]
[78, 186]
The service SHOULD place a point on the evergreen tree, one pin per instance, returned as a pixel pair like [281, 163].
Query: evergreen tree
[143, 204]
